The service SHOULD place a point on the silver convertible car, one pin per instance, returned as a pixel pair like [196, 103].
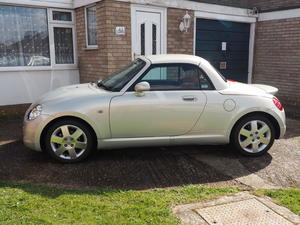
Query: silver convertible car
[155, 101]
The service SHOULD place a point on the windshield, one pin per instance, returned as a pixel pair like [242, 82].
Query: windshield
[119, 79]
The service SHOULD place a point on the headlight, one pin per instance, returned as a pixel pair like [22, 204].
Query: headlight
[35, 112]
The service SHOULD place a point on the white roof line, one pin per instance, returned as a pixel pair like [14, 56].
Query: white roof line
[277, 15]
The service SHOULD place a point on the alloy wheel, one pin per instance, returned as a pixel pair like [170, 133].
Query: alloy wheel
[68, 142]
[254, 136]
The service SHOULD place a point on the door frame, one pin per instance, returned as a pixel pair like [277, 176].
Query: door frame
[143, 8]
[232, 18]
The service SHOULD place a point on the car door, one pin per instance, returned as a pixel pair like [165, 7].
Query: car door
[171, 107]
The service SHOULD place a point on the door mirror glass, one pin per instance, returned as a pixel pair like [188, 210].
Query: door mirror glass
[140, 87]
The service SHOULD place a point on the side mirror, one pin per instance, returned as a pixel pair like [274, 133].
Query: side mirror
[140, 87]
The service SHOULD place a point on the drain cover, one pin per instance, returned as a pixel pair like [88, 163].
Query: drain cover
[244, 212]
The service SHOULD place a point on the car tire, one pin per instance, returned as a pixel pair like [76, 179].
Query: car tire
[253, 135]
[69, 141]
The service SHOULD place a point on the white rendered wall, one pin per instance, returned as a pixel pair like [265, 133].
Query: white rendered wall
[19, 87]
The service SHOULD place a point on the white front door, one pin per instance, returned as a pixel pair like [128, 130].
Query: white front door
[148, 29]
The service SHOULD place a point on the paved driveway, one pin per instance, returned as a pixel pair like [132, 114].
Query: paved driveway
[152, 167]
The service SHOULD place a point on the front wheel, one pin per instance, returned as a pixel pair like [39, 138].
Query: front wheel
[69, 141]
[253, 135]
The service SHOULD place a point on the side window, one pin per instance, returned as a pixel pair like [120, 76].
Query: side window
[205, 83]
[91, 26]
[176, 77]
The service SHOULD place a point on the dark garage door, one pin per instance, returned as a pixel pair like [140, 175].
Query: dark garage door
[225, 45]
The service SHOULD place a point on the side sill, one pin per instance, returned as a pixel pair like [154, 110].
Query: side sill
[161, 141]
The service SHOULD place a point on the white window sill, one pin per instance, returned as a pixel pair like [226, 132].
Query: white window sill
[94, 47]
[38, 68]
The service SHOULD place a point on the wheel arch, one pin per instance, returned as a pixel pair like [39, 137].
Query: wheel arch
[43, 133]
[267, 115]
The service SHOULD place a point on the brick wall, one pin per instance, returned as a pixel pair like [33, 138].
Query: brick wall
[118, 47]
[179, 42]
[276, 60]
[92, 63]
[277, 57]
[113, 51]
[273, 4]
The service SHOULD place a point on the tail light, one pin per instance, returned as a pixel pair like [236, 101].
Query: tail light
[277, 103]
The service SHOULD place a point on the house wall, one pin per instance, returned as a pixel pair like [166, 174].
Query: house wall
[118, 47]
[179, 42]
[113, 51]
[92, 63]
[19, 87]
[276, 46]
[26, 84]
[277, 57]
[277, 49]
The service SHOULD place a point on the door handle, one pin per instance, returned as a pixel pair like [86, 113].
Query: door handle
[189, 98]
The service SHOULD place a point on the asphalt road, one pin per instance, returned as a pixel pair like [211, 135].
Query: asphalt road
[146, 168]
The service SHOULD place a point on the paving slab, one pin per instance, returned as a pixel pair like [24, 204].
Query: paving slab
[238, 209]
[250, 211]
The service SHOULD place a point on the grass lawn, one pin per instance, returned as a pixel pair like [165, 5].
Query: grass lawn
[290, 198]
[33, 204]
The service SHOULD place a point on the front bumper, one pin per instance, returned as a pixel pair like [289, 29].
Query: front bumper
[32, 130]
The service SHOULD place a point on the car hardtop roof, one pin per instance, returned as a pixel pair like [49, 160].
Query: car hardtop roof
[174, 58]
[216, 79]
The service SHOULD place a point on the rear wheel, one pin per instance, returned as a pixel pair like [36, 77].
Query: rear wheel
[253, 135]
[69, 141]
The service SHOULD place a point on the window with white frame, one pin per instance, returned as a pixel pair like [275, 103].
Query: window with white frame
[24, 38]
[61, 16]
[63, 42]
[62, 35]
[91, 26]
[36, 37]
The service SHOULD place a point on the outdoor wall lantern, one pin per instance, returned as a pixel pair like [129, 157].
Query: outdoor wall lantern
[186, 22]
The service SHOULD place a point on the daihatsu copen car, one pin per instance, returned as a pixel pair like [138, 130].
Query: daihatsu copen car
[154, 101]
